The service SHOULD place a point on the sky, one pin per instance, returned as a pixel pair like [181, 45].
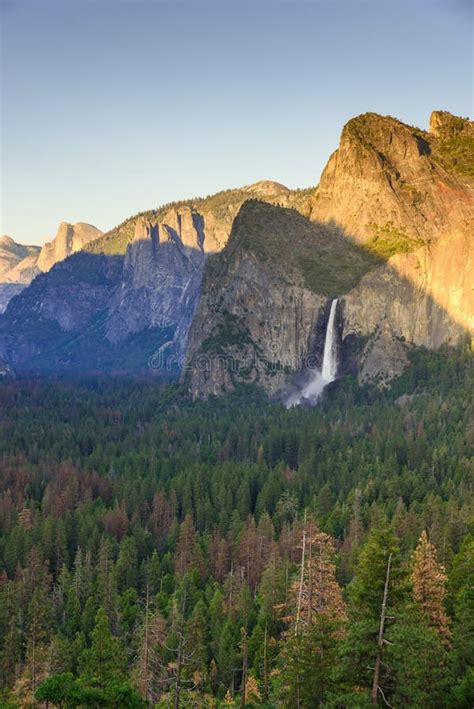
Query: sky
[111, 107]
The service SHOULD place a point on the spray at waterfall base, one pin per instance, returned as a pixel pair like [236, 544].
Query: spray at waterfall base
[320, 378]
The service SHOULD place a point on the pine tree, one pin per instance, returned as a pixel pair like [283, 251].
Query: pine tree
[106, 583]
[417, 659]
[354, 536]
[104, 662]
[462, 602]
[149, 669]
[10, 653]
[377, 596]
[37, 646]
[126, 566]
[198, 639]
[429, 586]
[187, 556]
[316, 619]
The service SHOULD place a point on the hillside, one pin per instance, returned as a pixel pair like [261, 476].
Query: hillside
[214, 213]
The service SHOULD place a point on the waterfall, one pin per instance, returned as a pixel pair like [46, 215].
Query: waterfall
[314, 388]
[329, 369]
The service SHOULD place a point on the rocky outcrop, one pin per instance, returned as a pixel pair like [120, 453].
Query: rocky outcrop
[16, 261]
[20, 264]
[387, 175]
[445, 126]
[261, 313]
[69, 239]
[7, 292]
[205, 222]
[18, 267]
[161, 280]
[383, 358]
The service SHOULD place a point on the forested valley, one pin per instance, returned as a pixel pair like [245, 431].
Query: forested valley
[231, 553]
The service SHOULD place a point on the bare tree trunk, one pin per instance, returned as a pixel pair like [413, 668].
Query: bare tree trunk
[300, 592]
[231, 587]
[310, 581]
[298, 608]
[179, 659]
[145, 675]
[378, 659]
[265, 666]
[244, 668]
[33, 664]
[179, 662]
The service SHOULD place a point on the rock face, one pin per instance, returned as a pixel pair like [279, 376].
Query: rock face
[17, 268]
[56, 322]
[69, 239]
[445, 126]
[7, 292]
[161, 279]
[16, 261]
[387, 175]
[255, 317]
[396, 183]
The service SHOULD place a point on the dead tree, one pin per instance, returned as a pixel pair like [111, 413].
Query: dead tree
[381, 640]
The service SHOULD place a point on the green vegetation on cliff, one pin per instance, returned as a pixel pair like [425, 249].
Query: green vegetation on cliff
[456, 154]
[223, 206]
[388, 241]
[316, 256]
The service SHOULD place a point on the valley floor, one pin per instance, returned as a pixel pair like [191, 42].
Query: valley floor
[159, 552]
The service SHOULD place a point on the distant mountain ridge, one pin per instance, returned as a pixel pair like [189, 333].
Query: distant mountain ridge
[16, 260]
[19, 264]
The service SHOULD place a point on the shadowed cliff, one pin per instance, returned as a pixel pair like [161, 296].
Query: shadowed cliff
[265, 303]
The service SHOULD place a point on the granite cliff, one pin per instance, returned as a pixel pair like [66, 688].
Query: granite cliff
[15, 259]
[69, 239]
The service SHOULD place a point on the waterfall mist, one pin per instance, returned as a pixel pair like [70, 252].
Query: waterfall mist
[319, 379]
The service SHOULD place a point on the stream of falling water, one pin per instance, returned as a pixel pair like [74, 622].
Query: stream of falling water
[314, 388]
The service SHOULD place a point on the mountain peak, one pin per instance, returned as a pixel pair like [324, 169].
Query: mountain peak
[266, 187]
[69, 239]
[387, 176]
[446, 125]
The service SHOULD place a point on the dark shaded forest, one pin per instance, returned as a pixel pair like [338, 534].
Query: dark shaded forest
[161, 552]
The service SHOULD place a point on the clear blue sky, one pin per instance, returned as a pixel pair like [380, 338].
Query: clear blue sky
[110, 107]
